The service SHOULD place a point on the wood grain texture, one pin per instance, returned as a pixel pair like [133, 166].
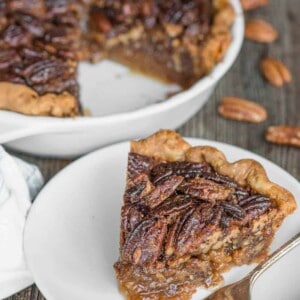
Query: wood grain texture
[244, 80]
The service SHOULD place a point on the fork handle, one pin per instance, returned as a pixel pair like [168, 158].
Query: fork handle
[280, 252]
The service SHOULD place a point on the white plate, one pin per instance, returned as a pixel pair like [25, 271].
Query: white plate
[123, 105]
[72, 231]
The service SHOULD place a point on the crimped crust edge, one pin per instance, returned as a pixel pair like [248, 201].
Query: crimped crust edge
[167, 145]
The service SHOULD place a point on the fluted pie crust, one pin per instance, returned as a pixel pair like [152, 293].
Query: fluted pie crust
[189, 215]
[166, 145]
[41, 43]
[23, 99]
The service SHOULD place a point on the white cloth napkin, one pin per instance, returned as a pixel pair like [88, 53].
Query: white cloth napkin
[19, 184]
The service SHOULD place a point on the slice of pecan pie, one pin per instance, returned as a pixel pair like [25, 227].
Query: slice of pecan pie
[189, 215]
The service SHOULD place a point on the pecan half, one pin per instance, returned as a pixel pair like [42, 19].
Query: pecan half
[255, 205]
[162, 191]
[250, 199]
[252, 4]
[175, 229]
[15, 36]
[138, 164]
[31, 24]
[144, 244]
[174, 206]
[188, 238]
[216, 177]
[205, 189]
[286, 135]
[235, 211]
[275, 71]
[44, 70]
[242, 110]
[31, 55]
[137, 188]
[130, 217]
[163, 171]
[171, 237]
[260, 31]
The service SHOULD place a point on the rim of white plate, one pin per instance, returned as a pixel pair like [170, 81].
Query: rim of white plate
[192, 141]
[202, 85]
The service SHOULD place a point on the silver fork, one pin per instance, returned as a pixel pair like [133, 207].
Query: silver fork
[240, 290]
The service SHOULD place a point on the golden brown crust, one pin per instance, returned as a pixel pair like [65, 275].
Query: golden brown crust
[167, 145]
[23, 99]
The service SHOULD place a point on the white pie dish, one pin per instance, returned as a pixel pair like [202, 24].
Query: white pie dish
[71, 237]
[123, 105]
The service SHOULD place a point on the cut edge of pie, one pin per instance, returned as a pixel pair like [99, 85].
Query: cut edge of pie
[199, 61]
[176, 243]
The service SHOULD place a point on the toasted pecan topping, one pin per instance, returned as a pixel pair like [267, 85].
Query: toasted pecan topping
[260, 31]
[175, 202]
[275, 71]
[204, 189]
[145, 242]
[188, 170]
[284, 134]
[242, 110]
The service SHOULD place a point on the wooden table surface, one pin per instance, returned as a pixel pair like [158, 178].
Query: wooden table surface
[243, 80]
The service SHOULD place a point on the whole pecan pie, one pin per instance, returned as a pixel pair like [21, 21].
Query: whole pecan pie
[189, 215]
[42, 41]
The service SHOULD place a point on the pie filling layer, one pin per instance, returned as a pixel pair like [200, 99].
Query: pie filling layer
[183, 224]
[41, 42]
